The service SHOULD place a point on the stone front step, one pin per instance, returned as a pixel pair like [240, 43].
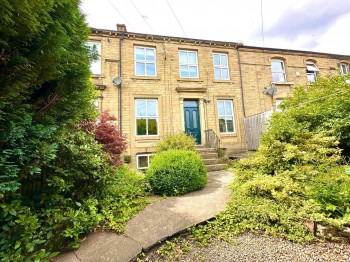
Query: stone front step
[211, 161]
[216, 167]
[205, 155]
[206, 150]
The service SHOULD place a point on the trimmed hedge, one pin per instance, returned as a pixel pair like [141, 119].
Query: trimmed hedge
[176, 172]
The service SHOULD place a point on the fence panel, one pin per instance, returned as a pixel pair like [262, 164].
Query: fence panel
[253, 128]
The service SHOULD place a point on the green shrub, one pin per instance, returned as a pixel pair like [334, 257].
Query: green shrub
[176, 172]
[180, 141]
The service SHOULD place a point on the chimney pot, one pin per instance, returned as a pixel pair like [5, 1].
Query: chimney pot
[121, 27]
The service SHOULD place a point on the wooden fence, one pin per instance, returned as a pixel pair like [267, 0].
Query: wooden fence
[254, 126]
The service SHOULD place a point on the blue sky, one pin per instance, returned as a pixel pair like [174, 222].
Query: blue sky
[315, 25]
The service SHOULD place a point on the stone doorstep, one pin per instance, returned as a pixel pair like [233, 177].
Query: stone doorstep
[204, 149]
[209, 155]
[211, 161]
[216, 167]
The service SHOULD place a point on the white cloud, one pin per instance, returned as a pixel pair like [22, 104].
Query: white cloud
[293, 24]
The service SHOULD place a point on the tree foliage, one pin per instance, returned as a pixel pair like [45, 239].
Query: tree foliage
[298, 172]
[44, 83]
[56, 183]
[107, 134]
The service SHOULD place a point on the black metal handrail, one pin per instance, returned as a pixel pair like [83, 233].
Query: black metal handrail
[211, 139]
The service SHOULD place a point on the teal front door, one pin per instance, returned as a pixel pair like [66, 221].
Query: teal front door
[192, 124]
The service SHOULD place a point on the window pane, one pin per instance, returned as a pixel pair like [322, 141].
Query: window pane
[193, 71]
[192, 58]
[95, 65]
[140, 69]
[276, 66]
[278, 77]
[228, 108]
[151, 69]
[190, 103]
[151, 108]
[187, 119]
[222, 126]
[216, 59]
[152, 127]
[142, 161]
[141, 126]
[311, 77]
[183, 57]
[140, 107]
[139, 53]
[150, 54]
[221, 107]
[184, 71]
[223, 60]
[224, 73]
[229, 122]
[217, 72]
[194, 119]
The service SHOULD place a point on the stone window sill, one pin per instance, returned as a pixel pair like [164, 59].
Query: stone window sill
[283, 83]
[228, 135]
[146, 138]
[223, 81]
[189, 80]
[97, 76]
[154, 78]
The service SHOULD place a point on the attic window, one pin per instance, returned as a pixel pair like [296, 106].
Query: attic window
[311, 71]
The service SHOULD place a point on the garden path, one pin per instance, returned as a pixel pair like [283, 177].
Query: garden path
[156, 222]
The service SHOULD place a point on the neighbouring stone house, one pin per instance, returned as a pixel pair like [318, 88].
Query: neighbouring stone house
[157, 85]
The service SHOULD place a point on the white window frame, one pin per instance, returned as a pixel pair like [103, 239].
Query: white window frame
[221, 67]
[96, 65]
[148, 160]
[283, 71]
[226, 116]
[146, 117]
[188, 64]
[145, 61]
[277, 104]
[343, 66]
[311, 70]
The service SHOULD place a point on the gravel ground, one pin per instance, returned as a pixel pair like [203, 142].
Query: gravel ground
[251, 247]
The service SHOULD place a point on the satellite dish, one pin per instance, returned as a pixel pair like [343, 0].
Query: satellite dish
[117, 81]
[271, 91]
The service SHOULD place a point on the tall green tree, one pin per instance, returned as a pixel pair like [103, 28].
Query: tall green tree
[45, 83]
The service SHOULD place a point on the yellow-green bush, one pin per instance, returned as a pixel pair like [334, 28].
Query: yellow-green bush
[180, 141]
[176, 172]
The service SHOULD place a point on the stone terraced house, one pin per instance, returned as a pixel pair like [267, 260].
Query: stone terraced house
[158, 85]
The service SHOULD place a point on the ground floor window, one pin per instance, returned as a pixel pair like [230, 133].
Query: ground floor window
[146, 117]
[143, 160]
[226, 116]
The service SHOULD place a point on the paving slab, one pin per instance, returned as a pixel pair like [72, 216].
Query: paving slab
[155, 223]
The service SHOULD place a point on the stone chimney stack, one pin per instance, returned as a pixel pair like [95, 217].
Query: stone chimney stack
[121, 28]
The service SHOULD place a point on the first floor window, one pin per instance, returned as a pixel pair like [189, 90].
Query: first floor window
[146, 117]
[278, 71]
[226, 116]
[311, 71]
[95, 64]
[343, 69]
[145, 61]
[220, 66]
[188, 64]
[143, 160]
